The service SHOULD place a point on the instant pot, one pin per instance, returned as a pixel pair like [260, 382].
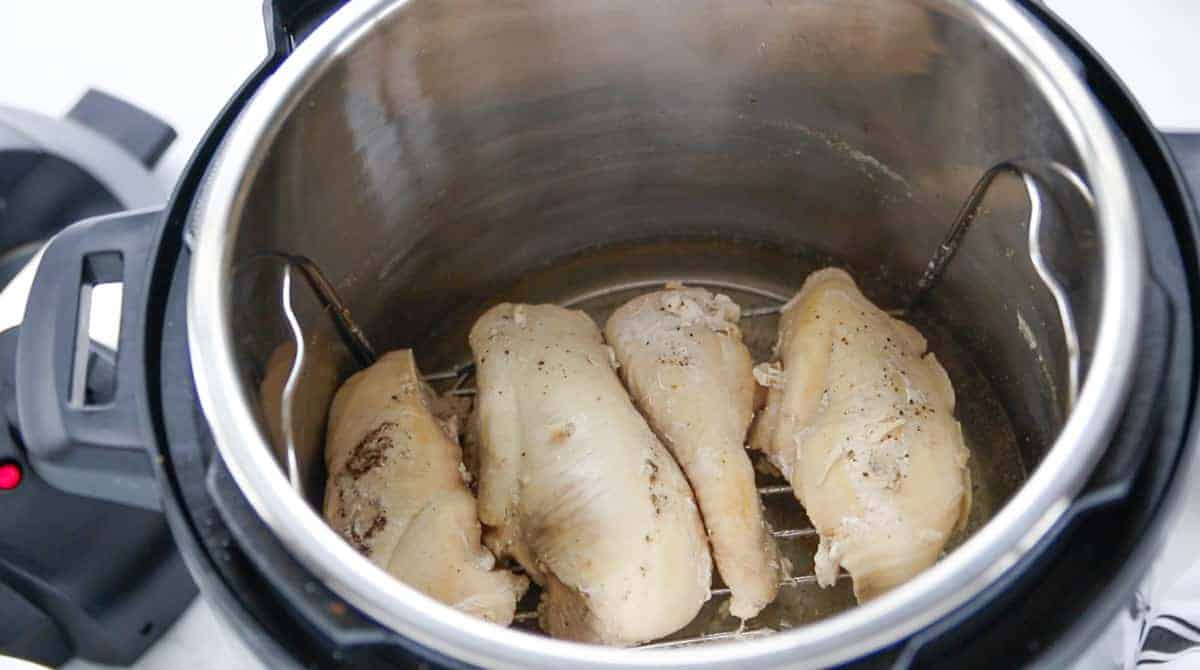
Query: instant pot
[395, 166]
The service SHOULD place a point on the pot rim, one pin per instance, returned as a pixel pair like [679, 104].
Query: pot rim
[963, 573]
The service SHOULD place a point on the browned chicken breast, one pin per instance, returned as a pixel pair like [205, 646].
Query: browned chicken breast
[397, 491]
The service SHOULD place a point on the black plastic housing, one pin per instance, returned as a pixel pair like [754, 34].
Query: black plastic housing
[79, 576]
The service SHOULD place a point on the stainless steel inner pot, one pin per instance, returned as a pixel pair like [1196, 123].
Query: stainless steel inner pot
[433, 157]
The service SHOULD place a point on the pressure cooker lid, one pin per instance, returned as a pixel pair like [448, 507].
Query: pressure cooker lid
[54, 172]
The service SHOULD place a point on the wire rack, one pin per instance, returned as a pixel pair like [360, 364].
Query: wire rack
[1032, 175]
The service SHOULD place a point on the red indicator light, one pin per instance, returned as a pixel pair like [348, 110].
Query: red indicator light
[10, 475]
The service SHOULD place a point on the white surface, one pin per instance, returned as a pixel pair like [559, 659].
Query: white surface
[182, 61]
[9, 663]
[179, 60]
[1152, 45]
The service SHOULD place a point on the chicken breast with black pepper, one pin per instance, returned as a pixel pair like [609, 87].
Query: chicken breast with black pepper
[574, 484]
[681, 355]
[860, 419]
[397, 491]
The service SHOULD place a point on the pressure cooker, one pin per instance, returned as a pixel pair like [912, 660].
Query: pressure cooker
[394, 167]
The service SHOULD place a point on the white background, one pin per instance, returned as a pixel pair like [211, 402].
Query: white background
[181, 60]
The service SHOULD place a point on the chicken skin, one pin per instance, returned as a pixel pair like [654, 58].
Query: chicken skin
[397, 491]
[860, 420]
[681, 355]
[575, 485]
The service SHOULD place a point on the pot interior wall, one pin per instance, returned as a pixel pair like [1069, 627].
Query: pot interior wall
[463, 152]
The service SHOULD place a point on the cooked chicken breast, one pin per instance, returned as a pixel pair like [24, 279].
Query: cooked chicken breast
[396, 491]
[860, 420]
[575, 485]
[682, 358]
